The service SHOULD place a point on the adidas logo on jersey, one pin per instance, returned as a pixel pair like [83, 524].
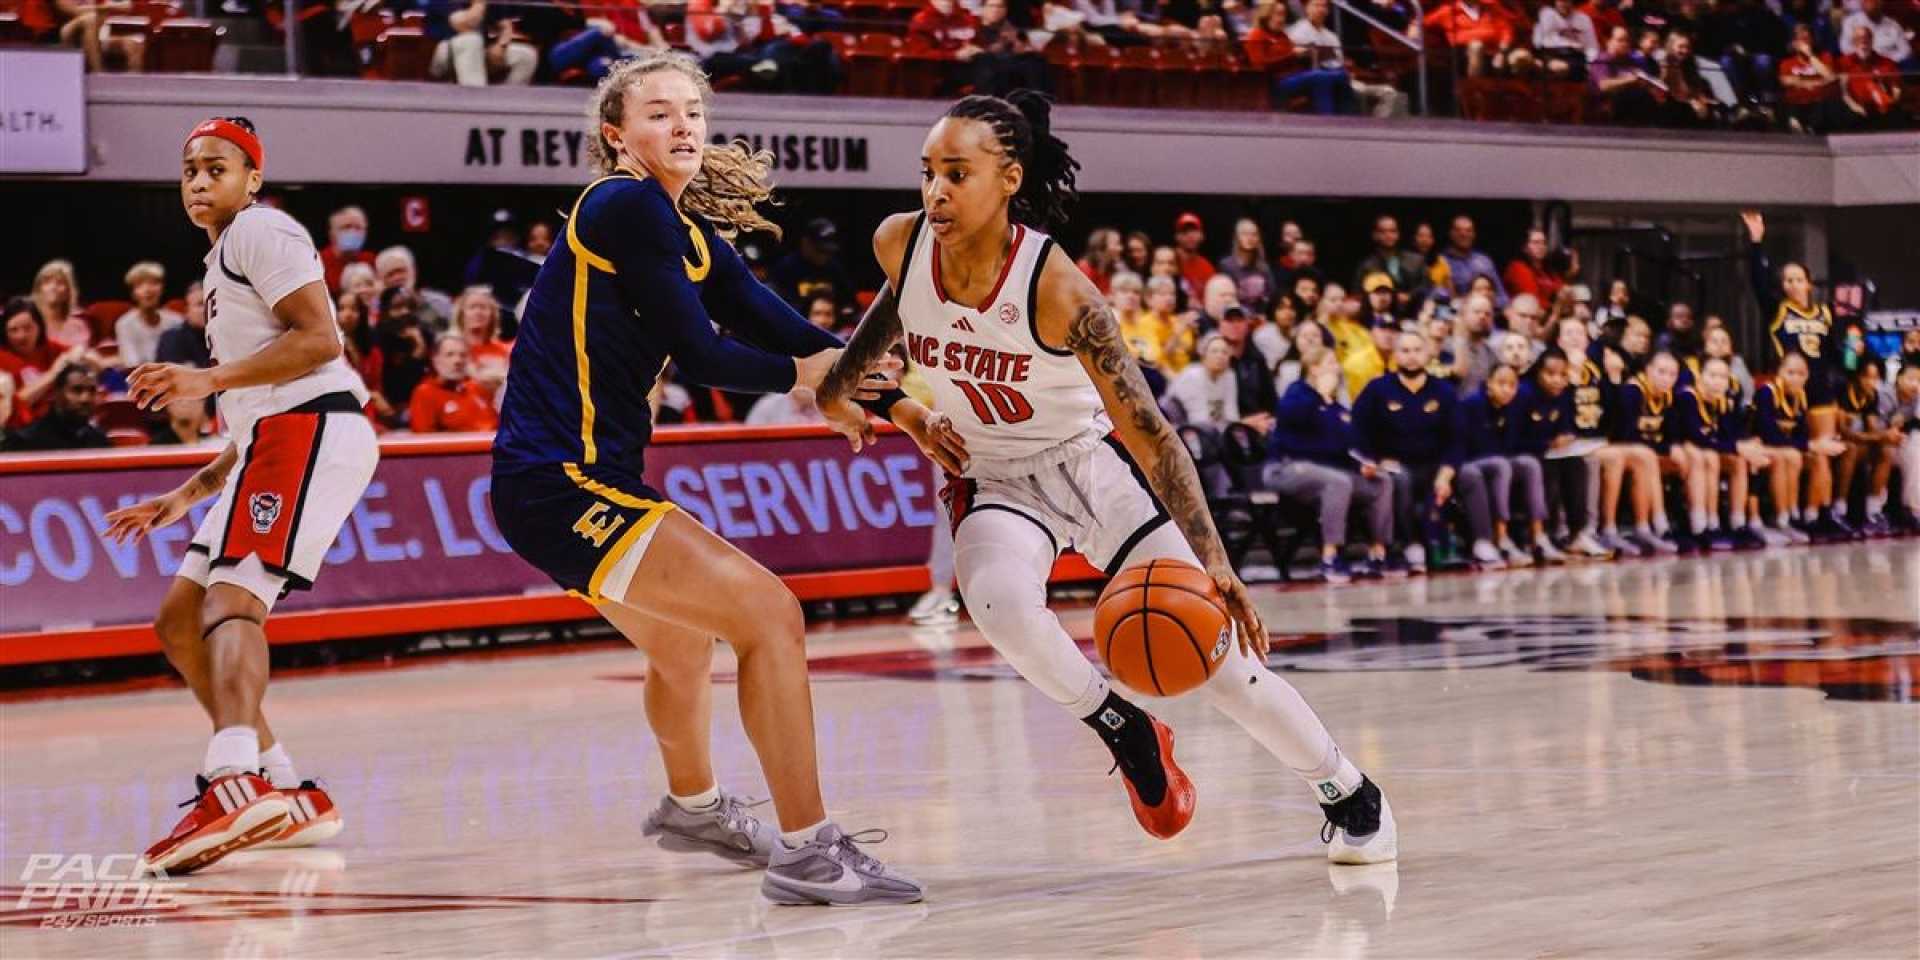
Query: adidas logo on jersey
[962, 323]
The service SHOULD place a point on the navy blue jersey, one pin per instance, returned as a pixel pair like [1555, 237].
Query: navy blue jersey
[1643, 413]
[636, 282]
[1540, 419]
[1590, 390]
[1704, 423]
[1780, 416]
[1810, 331]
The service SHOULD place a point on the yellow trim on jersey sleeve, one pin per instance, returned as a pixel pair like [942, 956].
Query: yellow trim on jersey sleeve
[584, 261]
[696, 274]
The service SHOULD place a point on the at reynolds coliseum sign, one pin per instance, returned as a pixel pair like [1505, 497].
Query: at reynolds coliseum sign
[551, 147]
[425, 528]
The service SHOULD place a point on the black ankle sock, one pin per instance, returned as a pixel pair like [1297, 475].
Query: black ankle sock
[1128, 733]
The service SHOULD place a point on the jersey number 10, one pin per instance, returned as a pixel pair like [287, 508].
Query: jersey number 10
[996, 402]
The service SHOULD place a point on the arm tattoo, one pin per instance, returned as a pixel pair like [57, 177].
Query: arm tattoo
[879, 330]
[211, 477]
[1095, 336]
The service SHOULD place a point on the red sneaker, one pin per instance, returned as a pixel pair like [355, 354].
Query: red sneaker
[311, 818]
[232, 813]
[1175, 809]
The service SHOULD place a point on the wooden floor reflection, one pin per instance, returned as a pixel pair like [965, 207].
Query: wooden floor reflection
[1710, 757]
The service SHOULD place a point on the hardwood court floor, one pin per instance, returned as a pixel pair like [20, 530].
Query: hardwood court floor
[1663, 758]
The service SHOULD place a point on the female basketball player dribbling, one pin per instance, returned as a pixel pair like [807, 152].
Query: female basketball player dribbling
[644, 265]
[1026, 364]
[304, 453]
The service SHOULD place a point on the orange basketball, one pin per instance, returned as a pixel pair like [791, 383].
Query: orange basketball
[1161, 627]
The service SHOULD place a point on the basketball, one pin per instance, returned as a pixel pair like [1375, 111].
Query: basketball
[1162, 627]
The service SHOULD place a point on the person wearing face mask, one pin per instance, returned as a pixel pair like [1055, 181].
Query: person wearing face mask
[1406, 426]
[346, 243]
[451, 400]
[1312, 445]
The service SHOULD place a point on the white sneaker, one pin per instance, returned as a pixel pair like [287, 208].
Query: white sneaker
[1548, 552]
[1416, 555]
[1772, 537]
[1794, 534]
[1366, 809]
[1585, 545]
[1487, 555]
[938, 605]
[1515, 556]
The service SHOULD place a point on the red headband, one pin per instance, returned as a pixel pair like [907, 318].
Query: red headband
[235, 134]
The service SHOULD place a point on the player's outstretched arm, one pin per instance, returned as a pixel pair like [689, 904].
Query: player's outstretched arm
[131, 523]
[1073, 313]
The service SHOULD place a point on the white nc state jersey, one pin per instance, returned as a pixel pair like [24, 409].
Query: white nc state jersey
[260, 258]
[1017, 403]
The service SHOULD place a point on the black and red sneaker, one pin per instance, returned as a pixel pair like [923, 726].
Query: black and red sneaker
[1169, 813]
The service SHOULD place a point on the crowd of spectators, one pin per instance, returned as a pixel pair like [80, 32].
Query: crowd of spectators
[1500, 414]
[1815, 65]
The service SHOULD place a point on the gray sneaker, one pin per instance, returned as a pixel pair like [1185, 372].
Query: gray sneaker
[829, 870]
[725, 830]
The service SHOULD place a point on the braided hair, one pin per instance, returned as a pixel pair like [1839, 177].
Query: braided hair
[1022, 123]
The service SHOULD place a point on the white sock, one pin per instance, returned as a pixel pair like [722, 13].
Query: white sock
[1876, 503]
[1740, 519]
[797, 838]
[232, 750]
[1660, 524]
[703, 800]
[1611, 533]
[1643, 530]
[1335, 779]
[1781, 519]
[1697, 519]
[279, 766]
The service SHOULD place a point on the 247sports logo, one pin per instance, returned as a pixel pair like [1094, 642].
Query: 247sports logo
[79, 891]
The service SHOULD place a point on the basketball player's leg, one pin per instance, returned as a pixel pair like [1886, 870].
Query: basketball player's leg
[678, 695]
[1274, 713]
[681, 569]
[684, 568]
[178, 626]
[696, 815]
[1002, 560]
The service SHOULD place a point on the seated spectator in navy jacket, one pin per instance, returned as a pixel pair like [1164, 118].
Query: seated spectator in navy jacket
[1405, 420]
[1496, 471]
[1706, 433]
[1312, 443]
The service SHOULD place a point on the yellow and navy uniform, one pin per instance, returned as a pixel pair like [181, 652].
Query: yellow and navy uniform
[1793, 329]
[635, 283]
[1590, 389]
[1703, 423]
[1780, 416]
[1643, 414]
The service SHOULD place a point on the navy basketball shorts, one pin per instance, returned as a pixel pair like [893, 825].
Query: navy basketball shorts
[588, 533]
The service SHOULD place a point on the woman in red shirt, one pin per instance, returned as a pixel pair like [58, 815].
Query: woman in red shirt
[449, 401]
[32, 360]
[1530, 272]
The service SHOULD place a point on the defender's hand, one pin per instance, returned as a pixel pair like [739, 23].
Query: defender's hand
[884, 376]
[848, 420]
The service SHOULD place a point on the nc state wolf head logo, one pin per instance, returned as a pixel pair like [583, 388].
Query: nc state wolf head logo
[265, 509]
[1009, 313]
